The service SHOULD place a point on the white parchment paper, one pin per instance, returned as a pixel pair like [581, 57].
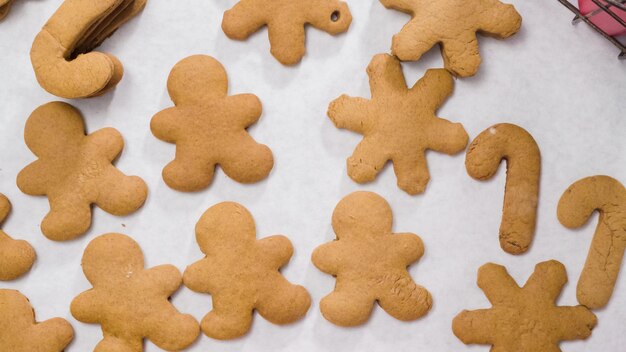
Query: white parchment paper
[562, 83]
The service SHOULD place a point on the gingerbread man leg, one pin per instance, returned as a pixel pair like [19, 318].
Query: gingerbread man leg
[171, 328]
[69, 216]
[113, 344]
[283, 303]
[404, 299]
[119, 193]
[348, 305]
[247, 161]
[186, 170]
[231, 316]
[367, 161]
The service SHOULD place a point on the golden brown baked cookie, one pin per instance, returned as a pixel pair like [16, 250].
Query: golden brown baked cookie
[131, 302]
[512, 143]
[209, 128]
[286, 21]
[578, 202]
[19, 332]
[5, 7]
[453, 24]
[75, 170]
[523, 318]
[370, 264]
[62, 55]
[242, 274]
[398, 124]
[16, 256]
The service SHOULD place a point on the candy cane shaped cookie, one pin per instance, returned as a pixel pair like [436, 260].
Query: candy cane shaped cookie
[521, 192]
[578, 202]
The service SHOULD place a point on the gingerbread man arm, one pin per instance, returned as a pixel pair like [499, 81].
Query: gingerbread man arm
[107, 141]
[407, 246]
[32, 179]
[328, 257]
[411, 43]
[276, 249]
[244, 108]
[197, 276]
[120, 194]
[446, 137]
[166, 125]
[166, 278]
[499, 20]
[86, 308]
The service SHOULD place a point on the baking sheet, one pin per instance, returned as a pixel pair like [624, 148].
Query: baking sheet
[562, 83]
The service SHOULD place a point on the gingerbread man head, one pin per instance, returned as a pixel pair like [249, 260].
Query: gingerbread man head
[130, 302]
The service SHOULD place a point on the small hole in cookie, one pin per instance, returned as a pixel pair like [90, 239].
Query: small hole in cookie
[335, 16]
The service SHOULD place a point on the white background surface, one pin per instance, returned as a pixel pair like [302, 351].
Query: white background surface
[562, 83]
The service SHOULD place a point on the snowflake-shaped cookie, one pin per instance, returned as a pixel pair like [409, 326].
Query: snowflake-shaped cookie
[398, 124]
[523, 318]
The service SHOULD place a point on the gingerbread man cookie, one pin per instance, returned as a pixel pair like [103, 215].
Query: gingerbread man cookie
[514, 144]
[398, 124]
[19, 332]
[131, 302]
[209, 128]
[242, 274]
[16, 256]
[453, 24]
[604, 260]
[370, 264]
[286, 21]
[5, 7]
[523, 318]
[75, 170]
[62, 56]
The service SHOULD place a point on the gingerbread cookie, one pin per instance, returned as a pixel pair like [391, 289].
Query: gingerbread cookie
[242, 274]
[523, 318]
[453, 24]
[16, 256]
[286, 21]
[578, 202]
[209, 128]
[131, 302]
[62, 54]
[5, 7]
[19, 332]
[75, 170]
[370, 264]
[398, 124]
[512, 143]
